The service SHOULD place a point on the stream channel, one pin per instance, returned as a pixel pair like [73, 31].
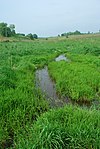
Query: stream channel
[47, 86]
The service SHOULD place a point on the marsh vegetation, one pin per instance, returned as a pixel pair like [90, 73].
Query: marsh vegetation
[26, 118]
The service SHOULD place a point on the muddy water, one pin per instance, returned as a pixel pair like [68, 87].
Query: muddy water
[45, 83]
[61, 57]
[47, 86]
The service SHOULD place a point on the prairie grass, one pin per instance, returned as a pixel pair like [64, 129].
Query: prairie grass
[21, 104]
[69, 128]
[76, 80]
[79, 79]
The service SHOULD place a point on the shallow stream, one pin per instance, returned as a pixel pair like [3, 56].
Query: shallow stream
[48, 87]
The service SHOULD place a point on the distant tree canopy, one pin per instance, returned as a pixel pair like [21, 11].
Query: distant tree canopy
[35, 36]
[20, 34]
[12, 28]
[71, 33]
[7, 31]
[32, 36]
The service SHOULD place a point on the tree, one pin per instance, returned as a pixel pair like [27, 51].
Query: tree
[12, 28]
[20, 34]
[35, 36]
[8, 32]
[5, 30]
[77, 32]
[71, 33]
[63, 34]
[30, 36]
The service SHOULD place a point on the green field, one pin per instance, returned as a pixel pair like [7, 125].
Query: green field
[22, 122]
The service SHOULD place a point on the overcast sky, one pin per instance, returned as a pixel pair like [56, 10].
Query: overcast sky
[51, 17]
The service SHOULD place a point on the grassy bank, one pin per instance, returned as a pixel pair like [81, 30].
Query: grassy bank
[20, 103]
[76, 80]
[79, 78]
[69, 128]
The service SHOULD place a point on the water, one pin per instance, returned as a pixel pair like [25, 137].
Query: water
[61, 57]
[45, 83]
[47, 86]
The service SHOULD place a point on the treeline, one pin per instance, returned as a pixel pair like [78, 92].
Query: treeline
[9, 31]
[71, 33]
[29, 36]
[75, 33]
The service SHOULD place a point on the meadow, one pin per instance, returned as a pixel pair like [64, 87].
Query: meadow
[79, 78]
[22, 122]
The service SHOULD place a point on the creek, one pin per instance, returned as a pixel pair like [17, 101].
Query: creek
[48, 87]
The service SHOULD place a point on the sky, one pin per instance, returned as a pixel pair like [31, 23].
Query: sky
[51, 17]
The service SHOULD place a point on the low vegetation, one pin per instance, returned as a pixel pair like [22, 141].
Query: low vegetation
[21, 105]
[78, 81]
[69, 128]
[79, 78]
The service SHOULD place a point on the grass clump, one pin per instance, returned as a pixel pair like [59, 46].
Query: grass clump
[19, 107]
[69, 128]
[76, 80]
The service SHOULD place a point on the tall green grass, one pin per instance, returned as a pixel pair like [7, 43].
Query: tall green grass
[79, 79]
[76, 80]
[19, 106]
[65, 128]
[20, 103]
